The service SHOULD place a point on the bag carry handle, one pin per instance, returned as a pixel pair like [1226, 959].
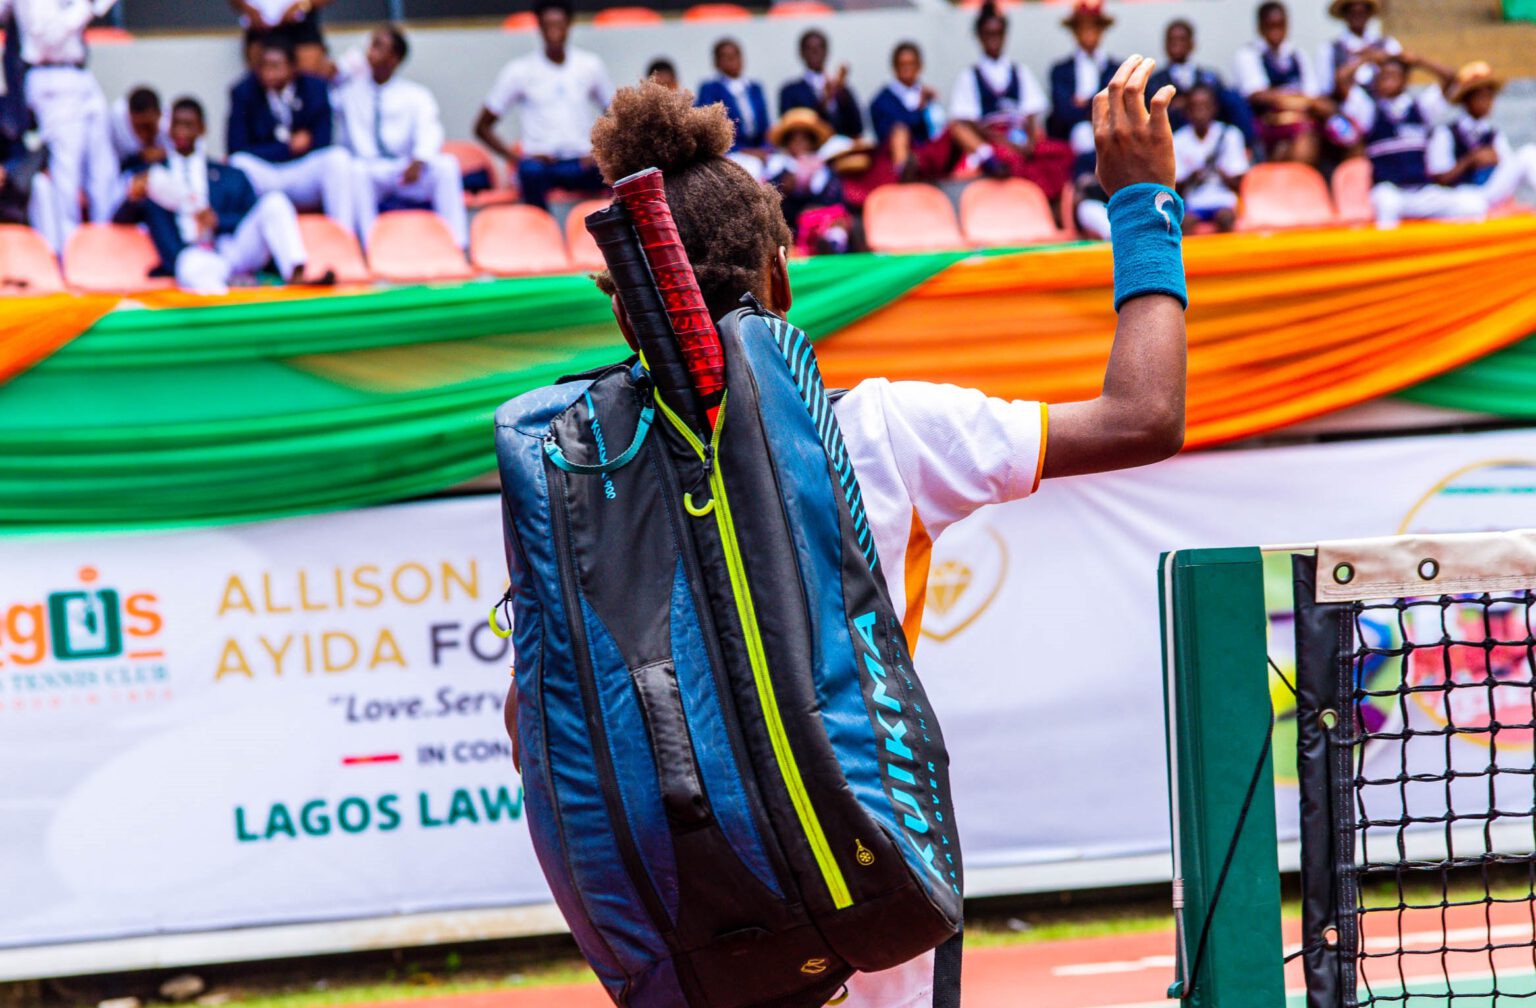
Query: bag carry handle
[557, 456]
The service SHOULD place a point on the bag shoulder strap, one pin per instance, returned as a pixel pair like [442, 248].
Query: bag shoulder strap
[946, 972]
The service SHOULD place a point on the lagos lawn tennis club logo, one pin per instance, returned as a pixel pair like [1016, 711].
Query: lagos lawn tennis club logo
[89, 643]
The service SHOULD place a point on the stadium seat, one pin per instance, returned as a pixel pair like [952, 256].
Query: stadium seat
[473, 158]
[800, 8]
[620, 17]
[717, 12]
[333, 247]
[1006, 212]
[1284, 195]
[111, 259]
[415, 246]
[584, 252]
[521, 21]
[1352, 191]
[517, 240]
[915, 217]
[27, 264]
[107, 35]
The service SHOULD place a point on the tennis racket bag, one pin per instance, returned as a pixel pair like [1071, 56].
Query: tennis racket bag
[735, 785]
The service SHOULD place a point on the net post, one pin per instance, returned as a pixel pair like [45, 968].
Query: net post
[1216, 693]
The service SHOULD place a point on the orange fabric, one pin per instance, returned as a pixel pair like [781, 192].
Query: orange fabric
[32, 328]
[1282, 327]
[918, 559]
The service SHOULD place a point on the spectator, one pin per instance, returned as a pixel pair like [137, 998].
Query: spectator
[395, 133]
[1471, 153]
[559, 91]
[828, 95]
[1397, 123]
[996, 109]
[280, 136]
[1361, 38]
[207, 222]
[28, 195]
[812, 193]
[1076, 79]
[1280, 85]
[71, 111]
[140, 130]
[663, 72]
[295, 22]
[1181, 71]
[743, 99]
[910, 125]
[1211, 161]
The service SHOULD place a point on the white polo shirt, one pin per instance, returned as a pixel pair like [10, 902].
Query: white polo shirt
[926, 456]
[1221, 148]
[557, 102]
[965, 99]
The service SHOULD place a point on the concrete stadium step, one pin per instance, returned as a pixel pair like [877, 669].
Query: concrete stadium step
[1458, 31]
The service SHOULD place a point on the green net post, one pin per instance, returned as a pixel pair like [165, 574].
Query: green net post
[1216, 691]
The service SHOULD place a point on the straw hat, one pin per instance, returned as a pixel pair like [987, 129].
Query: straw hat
[1336, 9]
[1088, 10]
[848, 156]
[1471, 78]
[799, 119]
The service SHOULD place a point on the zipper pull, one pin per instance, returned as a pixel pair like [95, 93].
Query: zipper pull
[709, 458]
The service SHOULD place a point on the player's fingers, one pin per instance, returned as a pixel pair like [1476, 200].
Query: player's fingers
[1160, 103]
[1101, 115]
[1136, 90]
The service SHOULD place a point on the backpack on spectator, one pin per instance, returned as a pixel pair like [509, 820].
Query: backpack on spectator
[735, 785]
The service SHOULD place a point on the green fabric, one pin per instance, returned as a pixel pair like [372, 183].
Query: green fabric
[1503, 383]
[248, 411]
[1520, 10]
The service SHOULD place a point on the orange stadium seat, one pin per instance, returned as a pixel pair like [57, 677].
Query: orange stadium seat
[107, 35]
[333, 247]
[415, 246]
[911, 218]
[717, 12]
[584, 252]
[474, 158]
[1007, 212]
[1284, 195]
[1352, 191]
[521, 21]
[620, 17]
[517, 240]
[800, 8]
[111, 258]
[27, 264]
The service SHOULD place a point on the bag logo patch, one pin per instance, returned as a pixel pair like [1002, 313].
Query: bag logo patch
[814, 966]
[863, 855]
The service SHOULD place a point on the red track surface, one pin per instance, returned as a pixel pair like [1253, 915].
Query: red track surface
[1133, 971]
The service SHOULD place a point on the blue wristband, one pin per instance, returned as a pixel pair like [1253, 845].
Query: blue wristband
[1146, 227]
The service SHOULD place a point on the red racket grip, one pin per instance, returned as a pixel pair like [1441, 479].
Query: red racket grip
[645, 199]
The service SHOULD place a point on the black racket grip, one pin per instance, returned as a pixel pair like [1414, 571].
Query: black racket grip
[648, 319]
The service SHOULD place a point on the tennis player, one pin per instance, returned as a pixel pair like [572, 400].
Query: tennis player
[927, 455]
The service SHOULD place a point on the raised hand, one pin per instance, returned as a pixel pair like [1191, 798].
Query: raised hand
[1135, 145]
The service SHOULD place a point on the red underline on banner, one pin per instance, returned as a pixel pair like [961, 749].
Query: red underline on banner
[141, 655]
[361, 760]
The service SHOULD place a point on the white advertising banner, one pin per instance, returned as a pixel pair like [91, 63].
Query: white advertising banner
[301, 720]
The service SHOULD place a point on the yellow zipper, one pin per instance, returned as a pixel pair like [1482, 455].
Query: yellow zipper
[837, 886]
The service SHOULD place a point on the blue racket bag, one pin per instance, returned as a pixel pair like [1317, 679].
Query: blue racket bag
[734, 782]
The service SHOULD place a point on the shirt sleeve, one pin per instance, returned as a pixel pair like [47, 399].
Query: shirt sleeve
[428, 142]
[1360, 107]
[506, 92]
[964, 99]
[1032, 100]
[1311, 86]
[1502, 147]
[1432, 103]
[958, 450]
[1249, 72]
[1326, 71]
[1440, 155]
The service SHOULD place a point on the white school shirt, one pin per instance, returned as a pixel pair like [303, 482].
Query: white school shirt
[1327, 69]
[926, 456]
[557, 102]
[1249, 66]
[181, 186]
[965, 99]
[53, 31]
[271, 11]
[1192, 153]
[1360, 105]
[400, 114]
[1090, 69]
[1440, 157]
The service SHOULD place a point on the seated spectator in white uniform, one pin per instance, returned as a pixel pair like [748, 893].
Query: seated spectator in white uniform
[207, 222]
[1282, 87]
[558, 92]
[280, 127]
[28, 196]
[295, 22]
[140, 130]
[1470, 153]
[395, 133]
[1211, 161]
[70, 108]
[1361, 35]
[1397, 123]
